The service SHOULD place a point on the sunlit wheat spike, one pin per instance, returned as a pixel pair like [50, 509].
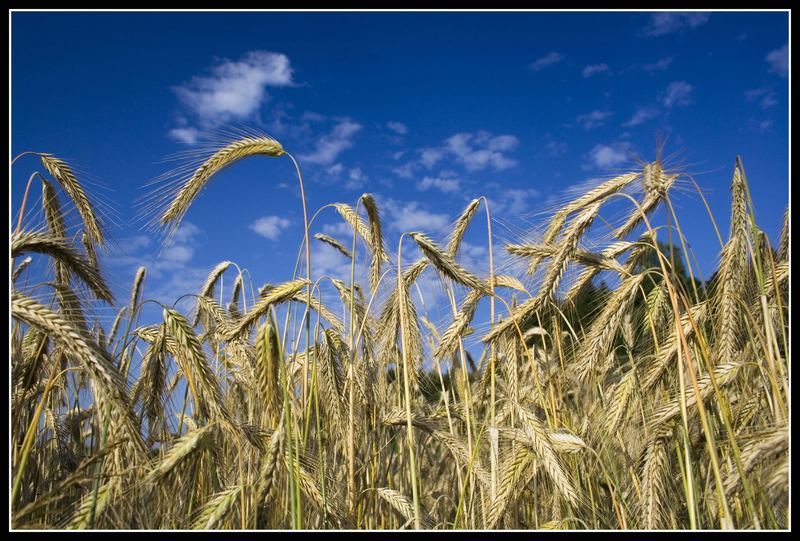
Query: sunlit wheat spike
[460, 227]
[330, 241]
[376, 238]
[55, 224]
[227, 155]
[94, 359]
[731, 278]
[181, 448]
[207, 289]
[280, 294]
[761, 450]
[358, 225]
[401, 503]
[136, 290]
[545, 453]
[783, 244]
[561, 258]
[588, 199]
[21, 267]
[514, 472]
[724, 374]
[214, 511]
[564, 441]
[656, 184]
[322, 310]
[66, 178]
[37, 242]
[619, 403]
[91, 506]
[196, 366]
[151, 383]
[598, 342]
[654, 471]
[667, 351]
[447, 265]
[411, 337]
[268, 362]
[449, 341]
[331, 379]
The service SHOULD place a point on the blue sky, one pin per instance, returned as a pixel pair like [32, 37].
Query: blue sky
[425, 110]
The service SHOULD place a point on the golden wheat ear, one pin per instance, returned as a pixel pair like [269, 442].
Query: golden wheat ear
[62, 172]
[64, 254]
[189, 189]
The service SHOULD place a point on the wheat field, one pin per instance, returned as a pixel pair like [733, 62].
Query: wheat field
[662, 402]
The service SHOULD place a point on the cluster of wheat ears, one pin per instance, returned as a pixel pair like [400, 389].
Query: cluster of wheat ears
[662, 402]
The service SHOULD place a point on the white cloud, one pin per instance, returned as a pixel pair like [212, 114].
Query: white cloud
[270, 227]
[329, 146]
[661, 65]
[608, 156]
[327, 261]
[593, 119]
[443, 184]
[335, 169]
[642, 115]
[185, 135]
[778, 61]
[356, 179]
[765, 97]
[397, 127]
[473, 151]
[669, 22]
[678, 93]
[549, 59]
[430, 156]
[136, 242]
[481, 150]
[594, 69]
[406, 170]
[234, 89]
[512, 201]
[406, 216]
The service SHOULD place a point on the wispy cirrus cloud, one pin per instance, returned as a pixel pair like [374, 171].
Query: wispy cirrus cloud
[778, 61]
[765, 97]
[593, 119]
[328, 147]
[444, 183]
[547, 60]
[669, 22]
[677, 94]
[594, 69]
[397, 127]
[659, 65]
[640, 116]
[474, 151]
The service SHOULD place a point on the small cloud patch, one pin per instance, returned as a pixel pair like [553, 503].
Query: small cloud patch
[670, 22]
[678, 94]
[270, 227]
[547, 60]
